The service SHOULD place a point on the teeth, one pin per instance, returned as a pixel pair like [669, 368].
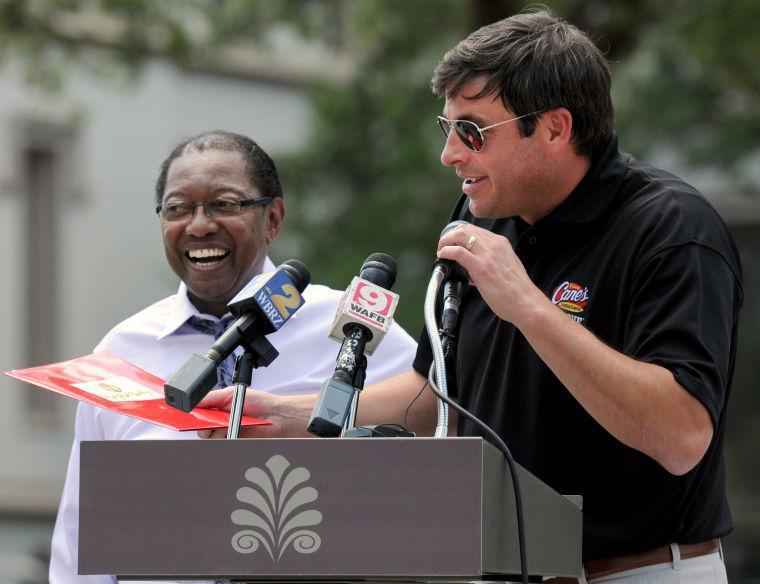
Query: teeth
[206, 253]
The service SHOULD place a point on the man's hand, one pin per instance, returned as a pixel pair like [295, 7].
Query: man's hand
[494, 269]
[289, 415]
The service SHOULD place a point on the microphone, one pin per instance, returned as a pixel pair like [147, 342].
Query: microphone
[453, 290]
[368, 302]
[263, 306]
[364, 315]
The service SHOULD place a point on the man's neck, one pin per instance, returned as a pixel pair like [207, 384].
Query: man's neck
[217, 309]
[569, 175]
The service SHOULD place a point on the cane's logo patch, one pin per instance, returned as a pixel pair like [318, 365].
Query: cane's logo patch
[572, 298]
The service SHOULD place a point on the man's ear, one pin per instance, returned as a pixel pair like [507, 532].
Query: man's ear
[275, 213]
[557, 125]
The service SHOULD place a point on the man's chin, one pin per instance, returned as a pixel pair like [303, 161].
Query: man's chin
[478, 211]
[483, 212]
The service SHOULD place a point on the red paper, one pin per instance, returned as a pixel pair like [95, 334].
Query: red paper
[110, 382]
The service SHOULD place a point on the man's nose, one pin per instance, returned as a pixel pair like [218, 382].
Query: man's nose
[453, 151]
[201, 223]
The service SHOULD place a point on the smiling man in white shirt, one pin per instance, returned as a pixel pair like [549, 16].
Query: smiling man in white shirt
[220, 206]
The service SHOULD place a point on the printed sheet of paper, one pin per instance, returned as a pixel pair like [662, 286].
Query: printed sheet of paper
[110, 382]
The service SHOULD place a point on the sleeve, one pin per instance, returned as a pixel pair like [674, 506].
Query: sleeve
[64, 554]
[424, 356]
[685, 305]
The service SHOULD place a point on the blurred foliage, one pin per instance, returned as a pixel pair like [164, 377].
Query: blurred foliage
[694, 85]
[369, 178]
[49, 34]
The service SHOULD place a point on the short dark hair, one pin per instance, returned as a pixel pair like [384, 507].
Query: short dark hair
[258, 165]
[536, 62]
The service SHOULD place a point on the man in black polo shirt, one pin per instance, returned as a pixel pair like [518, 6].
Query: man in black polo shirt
[598, 334]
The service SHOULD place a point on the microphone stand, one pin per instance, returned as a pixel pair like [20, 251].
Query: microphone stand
[357, 382]
[439, 274]
[241, 380]
[255, 354]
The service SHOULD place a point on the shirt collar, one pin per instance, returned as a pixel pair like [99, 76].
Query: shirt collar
[596, 190]
[182, 308]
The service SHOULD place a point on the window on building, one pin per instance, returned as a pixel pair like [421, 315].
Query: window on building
[44, 159]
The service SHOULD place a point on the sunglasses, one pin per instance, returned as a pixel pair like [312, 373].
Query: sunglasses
[470, 133]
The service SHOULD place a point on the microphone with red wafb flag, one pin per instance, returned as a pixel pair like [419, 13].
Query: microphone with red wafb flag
[364, 315]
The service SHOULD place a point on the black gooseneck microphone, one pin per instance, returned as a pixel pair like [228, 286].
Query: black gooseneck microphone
[454, 287]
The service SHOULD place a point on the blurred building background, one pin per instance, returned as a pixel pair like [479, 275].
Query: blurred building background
[94, 95]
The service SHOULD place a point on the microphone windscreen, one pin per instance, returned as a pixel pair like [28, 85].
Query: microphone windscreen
[451, 226]
[298, 273]
[380, 269]
[454, 271]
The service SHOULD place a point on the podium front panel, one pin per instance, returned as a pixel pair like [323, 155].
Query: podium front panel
[292, 509]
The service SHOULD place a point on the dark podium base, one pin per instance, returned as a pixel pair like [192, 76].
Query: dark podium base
[335, 510]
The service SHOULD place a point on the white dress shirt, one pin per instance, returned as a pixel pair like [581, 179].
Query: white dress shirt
[149, 340]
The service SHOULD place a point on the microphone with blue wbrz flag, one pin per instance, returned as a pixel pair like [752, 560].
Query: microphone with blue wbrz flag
[262, 307]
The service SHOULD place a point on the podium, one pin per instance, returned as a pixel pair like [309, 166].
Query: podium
[348, 510]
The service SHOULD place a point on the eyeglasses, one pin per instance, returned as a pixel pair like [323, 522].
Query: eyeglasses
[216, 209]
[470, 133]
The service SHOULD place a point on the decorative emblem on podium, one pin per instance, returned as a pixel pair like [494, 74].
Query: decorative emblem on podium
[277, 517]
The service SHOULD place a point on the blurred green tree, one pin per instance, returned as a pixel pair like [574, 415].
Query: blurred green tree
[369, 179]
[693, 85]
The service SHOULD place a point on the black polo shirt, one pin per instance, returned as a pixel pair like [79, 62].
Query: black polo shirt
[641, 259]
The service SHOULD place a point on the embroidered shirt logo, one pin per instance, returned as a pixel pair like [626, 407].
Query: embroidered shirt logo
[572, 298]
